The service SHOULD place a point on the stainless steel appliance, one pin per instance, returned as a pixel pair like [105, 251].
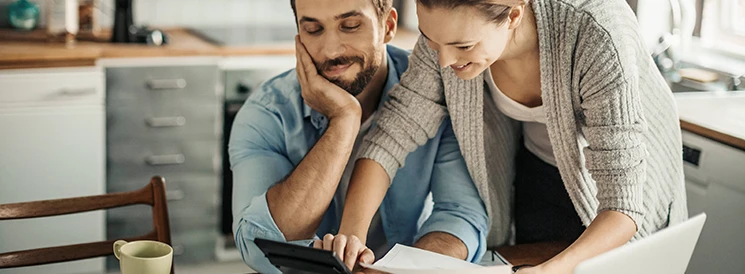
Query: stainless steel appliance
[240, 82]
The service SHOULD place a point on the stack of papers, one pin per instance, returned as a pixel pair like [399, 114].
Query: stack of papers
[409, 260]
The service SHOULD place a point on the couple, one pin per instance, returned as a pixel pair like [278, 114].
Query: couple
[526, 120]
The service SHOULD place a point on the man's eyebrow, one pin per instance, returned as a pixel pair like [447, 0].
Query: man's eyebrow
[348, 14]
[307, 19]
[450, 43]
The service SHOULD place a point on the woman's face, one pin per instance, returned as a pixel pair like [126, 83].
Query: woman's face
[463, 38]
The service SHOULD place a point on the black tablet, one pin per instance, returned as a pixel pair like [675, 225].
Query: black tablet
[301, 257]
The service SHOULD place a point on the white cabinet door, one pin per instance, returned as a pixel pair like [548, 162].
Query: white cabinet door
[720, 247]
[715, 184]
[50, 152]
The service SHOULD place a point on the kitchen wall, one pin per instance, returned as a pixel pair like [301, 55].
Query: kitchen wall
[190, 12]
[654, 17]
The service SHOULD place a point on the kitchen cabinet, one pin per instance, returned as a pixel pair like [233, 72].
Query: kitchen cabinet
[715, 184]
[52, 146]
[166, 120]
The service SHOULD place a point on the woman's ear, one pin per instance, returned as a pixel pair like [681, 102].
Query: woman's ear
[391, 25]
[516, 16]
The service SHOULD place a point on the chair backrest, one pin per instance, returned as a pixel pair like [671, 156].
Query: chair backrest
[154, 194]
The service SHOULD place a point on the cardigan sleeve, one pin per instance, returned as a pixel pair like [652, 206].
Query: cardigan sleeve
[412, 115]
[613, 120]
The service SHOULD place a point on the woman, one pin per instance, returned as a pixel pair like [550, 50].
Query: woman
[556, 100]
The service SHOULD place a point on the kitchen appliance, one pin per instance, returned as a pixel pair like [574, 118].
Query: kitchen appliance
[240, 82]
[714, 177]
[123, 23]
[125, 31]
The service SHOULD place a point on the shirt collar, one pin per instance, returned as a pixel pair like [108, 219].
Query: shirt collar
[320, 121]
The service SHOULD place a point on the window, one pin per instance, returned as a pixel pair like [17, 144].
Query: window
[723, 25]
[737, 24]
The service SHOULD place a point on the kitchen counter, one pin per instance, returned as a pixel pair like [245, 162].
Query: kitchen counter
[31, 50]
[719, 115]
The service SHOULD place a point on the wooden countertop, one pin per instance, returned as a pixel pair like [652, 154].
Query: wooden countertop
[719, 116]
[31, 49]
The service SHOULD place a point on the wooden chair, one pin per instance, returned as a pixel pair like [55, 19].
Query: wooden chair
[154, 194]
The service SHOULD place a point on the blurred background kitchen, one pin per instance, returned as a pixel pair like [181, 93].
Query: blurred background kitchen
[97, 96]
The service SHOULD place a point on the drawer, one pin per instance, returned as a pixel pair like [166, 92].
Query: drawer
[164, 123]
[193, 247]
[160, 86]
[44, 87]
[130, 226]
[163, 157]
[193, 200]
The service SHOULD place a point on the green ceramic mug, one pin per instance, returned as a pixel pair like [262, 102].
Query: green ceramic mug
[143, 257]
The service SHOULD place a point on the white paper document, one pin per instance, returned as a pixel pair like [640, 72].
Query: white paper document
[409, 260]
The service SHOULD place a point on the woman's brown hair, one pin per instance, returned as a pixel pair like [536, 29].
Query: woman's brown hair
[495, 11]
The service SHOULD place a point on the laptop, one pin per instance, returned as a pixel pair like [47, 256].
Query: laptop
[667, 251]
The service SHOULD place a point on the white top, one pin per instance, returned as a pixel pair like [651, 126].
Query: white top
[533, 119]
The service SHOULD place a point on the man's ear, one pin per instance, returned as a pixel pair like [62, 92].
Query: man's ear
[391, 25]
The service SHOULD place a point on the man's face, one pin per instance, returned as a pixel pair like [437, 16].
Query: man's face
[345, 39]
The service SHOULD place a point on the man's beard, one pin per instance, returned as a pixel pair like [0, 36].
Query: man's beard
[360, 81]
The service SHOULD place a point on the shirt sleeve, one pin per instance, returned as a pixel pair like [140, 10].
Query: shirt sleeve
[458, 208]
[258, 162]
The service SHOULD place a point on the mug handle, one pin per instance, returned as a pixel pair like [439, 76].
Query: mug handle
[118, 248]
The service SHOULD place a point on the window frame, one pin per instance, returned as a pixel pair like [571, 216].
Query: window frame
[718, 26]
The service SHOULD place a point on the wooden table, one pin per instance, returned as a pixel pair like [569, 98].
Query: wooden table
[532, 254]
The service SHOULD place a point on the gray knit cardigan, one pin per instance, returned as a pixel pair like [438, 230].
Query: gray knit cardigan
[611, 118]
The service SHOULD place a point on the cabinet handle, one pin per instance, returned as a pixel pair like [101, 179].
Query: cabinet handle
[78, 91]
[175, 121]
[161, 160]
[160, 84]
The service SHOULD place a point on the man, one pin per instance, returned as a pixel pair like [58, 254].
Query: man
[292, 141]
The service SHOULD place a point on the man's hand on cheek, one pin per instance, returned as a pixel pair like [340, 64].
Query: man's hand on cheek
[320, 94]
[349, 249]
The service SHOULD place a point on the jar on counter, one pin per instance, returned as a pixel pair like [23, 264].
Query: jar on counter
[62, 23]
[23, 15]
[89, 14]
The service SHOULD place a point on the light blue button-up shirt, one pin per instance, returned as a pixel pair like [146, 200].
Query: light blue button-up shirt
[274, 131]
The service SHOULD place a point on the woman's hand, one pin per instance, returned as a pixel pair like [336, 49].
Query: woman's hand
[348, 248]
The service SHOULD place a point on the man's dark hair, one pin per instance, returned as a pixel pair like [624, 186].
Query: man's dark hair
[382, 7]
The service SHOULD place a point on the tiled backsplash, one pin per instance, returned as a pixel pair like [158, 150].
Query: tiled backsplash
[191, 12]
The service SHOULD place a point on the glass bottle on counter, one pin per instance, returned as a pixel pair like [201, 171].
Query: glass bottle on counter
[62, 23]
